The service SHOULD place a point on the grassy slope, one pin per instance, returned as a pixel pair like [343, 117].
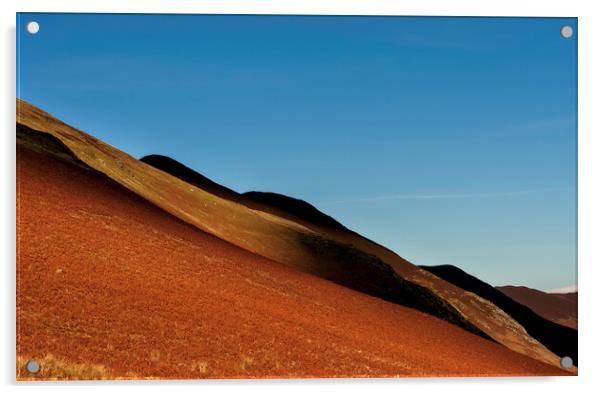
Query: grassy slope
[269, 235]
[110, 286]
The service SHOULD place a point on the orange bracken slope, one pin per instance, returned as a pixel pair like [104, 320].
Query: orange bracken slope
[289, 242]
[110, 286]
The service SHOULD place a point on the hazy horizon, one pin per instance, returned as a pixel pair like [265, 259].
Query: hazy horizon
[447, 140]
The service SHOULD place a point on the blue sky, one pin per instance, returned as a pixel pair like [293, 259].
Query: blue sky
[448, 140]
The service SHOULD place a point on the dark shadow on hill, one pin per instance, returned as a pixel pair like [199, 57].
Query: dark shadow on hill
[353, 268]
[180, 171]
[41, 142]
[274, 203]
[293, 206]
[559, 339]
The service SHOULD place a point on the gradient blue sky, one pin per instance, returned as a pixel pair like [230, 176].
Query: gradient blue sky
[448, 140]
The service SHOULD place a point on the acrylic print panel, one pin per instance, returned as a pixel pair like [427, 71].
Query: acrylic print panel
[211, 196]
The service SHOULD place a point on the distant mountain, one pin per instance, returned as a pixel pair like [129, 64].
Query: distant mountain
[559, 308]
[563, 290]
[560, 339]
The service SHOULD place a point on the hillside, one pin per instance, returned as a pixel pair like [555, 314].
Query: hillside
[110, 286]
[559, 339]
[289, 207]
[338, 256]
[273, 203]
[180, 171]
[559, 308]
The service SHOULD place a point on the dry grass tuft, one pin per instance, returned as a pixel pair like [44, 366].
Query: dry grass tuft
[52, 368]
[200, 367]
[155, 355]
[247, 362]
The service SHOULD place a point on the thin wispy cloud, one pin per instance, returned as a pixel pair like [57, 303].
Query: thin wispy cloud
[440, 196]
[563, 290]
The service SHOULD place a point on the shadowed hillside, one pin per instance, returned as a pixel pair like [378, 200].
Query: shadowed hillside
[559, 339]
[292, 207]
[180, 171]
[279, 204]
[347, 265]
[559, 308]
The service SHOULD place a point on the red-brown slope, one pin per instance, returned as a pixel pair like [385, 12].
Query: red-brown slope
[108, 285]
[353, 262]
[559, 308]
